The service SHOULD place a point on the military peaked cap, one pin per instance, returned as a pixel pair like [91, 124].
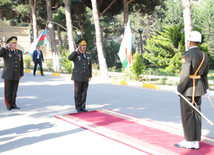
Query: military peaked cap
[82, 41]
[12, 39]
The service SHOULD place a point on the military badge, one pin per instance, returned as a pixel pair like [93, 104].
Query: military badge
[88, 58]
[183, 59]
[19, 57]
[79, 58]
[10, 55]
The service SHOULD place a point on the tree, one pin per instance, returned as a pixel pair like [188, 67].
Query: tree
[102, 61]
[69, 26]
[52, 38]
[187, 19]
[204, 18]
[165, 49]
[33, 4]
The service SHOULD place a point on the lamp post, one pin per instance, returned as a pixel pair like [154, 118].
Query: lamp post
[141, 44]
[50, 25]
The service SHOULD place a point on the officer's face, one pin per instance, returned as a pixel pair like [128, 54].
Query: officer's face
[13, 46]
[82, 48]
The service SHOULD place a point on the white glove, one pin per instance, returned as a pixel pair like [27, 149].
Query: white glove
[176, 92]
[207, 93]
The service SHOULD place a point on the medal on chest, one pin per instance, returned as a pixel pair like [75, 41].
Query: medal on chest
[79, 58]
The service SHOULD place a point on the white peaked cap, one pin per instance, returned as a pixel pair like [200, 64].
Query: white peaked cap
[194, 36]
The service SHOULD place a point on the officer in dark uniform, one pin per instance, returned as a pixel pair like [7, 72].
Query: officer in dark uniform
[193, 85]
[82, 74]
[12, 71]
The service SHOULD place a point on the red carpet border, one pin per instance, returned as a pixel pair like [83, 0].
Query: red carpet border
[146, 136]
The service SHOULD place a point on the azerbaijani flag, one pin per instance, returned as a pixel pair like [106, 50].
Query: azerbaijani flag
[41, 40]
[125, 52]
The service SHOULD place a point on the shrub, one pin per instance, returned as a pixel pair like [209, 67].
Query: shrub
[137, 68]
[28, 61]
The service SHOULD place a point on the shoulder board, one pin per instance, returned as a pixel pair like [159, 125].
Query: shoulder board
[78, 52]
[183, 59]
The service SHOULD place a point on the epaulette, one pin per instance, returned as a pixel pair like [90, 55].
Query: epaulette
[78, 52]
[87, 52]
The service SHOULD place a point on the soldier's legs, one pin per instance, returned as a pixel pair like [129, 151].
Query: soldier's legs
[41, 69]
[14, 93]
[8, 93]
[191, 120]
[84, 94]
[77, 95]
[35, 66]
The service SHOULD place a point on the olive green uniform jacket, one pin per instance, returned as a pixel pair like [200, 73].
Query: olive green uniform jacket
[13, 64]
[190, 62]
[82, 66]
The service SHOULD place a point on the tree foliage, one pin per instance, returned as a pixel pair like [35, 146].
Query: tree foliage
[165, 49]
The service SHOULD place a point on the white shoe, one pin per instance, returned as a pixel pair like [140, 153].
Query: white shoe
[188, 144]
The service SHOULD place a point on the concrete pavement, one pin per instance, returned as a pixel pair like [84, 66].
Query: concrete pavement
[34, 130]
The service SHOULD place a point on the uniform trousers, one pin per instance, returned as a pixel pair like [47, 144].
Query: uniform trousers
[10, 92]
[191, 119]
[38, 61]
[80, 93]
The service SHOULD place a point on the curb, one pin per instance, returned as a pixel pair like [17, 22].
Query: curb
[128, 83]
[47, 73]
[151, 86]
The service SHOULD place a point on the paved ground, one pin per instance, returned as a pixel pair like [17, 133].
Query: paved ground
[34, 130]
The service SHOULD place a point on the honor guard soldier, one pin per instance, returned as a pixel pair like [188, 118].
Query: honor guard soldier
[193, 84]
[12, 71]
[82, 74]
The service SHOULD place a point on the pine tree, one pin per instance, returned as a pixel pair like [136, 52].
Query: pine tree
[165, 49]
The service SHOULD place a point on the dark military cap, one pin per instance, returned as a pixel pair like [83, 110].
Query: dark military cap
[12, 39]
[82, 41]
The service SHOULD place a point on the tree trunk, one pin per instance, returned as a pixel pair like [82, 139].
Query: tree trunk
[102, 60]
[59, 35]
[187, 19]
[52, 38]
[126, 12]
[34, 20]
[69, 26]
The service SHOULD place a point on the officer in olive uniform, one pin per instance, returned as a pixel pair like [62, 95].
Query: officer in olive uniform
[193, 85]
[81, 75]
[12, 71]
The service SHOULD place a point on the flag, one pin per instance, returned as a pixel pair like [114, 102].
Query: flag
[125, 52]
[41, 40]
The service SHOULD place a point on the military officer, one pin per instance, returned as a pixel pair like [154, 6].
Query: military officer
[12, 71]
[193, 84]
[82, 74]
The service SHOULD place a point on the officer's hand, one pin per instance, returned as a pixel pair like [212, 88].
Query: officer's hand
[207, 93]
[7, 45]
[176, 92]
[89, 79]
[77, 48]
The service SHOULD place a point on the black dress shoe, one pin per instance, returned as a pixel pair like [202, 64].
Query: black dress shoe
[79, 110]
[85, 110]
[9, 109]
[16, 108]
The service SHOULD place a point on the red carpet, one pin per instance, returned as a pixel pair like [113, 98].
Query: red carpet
[146, 136]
